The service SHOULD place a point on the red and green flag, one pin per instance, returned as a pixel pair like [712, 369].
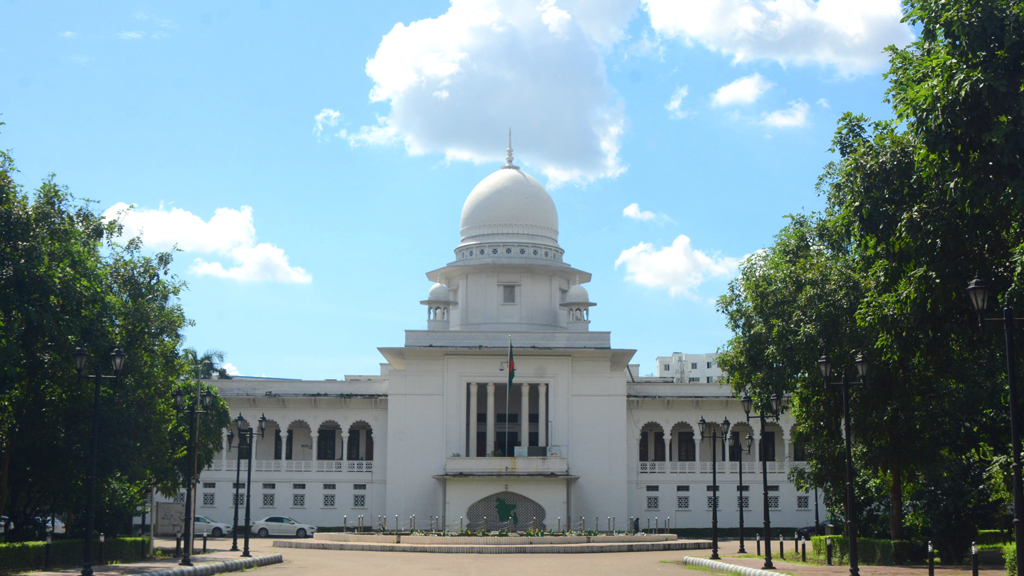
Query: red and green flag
[511, 364]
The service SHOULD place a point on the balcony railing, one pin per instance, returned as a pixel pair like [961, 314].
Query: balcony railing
[705, 467]
[298, 466]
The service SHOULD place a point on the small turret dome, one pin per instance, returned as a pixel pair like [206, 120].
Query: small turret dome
[438, 293]
[577, 293]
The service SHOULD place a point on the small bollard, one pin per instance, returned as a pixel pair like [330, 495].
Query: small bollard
[460, 523]
[613, 525]
[803, 551]
[757, 537]
[630, 523]
[974, 559]
[609, 523]
[204, 541]
[559, 524]
[828, 550]
[931, 559]
[344, 523]
[101, 559]
[782, 549]
[648, 523]
[177, 544]
[533, 523]
[397, 525]
[46, 556]
[484, 528]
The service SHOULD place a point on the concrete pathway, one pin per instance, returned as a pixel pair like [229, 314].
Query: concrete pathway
[217, 552]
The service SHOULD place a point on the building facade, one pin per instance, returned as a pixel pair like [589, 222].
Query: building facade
[439, 438]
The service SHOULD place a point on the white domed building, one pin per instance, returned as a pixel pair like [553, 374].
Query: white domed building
[439, 438]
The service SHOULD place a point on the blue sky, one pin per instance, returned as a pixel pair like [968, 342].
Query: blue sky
[311, 160]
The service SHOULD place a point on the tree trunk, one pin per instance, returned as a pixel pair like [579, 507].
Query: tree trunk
[5, 466]
[896, 499]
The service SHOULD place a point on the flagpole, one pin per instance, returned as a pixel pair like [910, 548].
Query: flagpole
[508, 388]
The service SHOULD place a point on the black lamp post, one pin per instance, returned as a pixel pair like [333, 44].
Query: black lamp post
[714, 475]
[776, 407]
[979, 294]
[245, 440]
[203, 400]
[733, 440]
[238, 472]
[825, 365]
[117, 358]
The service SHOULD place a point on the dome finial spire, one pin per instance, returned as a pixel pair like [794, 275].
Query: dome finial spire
[508, 157]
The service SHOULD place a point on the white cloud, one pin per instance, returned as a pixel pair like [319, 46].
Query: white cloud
[125, 35]
[675, 103]
[824, 103]
[161, 22]
[844, 34]
[230, 369]
[678, 268]
[792, 117]
[68, 34]
[633, 211]
[458, 82]
[229, 233]
[745, 90]
[326, 117]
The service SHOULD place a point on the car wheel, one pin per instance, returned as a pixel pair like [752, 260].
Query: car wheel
[301, 533]
[217, 533]
[263, 533]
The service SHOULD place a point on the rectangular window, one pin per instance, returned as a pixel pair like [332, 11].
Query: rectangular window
[325, 445]
[561, 296]
[803, 502]
[694, 378]
[239, 485]
[238, 500]
[209, 484]
[743, 501]
[359, 500]
[298, 500]
[277, 444]
[179, 498]
[768, 446]
[330, 486]
[685, 447]
[713, 488]
[693, 366]
[709, 364]
[359, 486]
[269, 486]
[682, 488]
[652, 488]
[208, 499]
[328, 500]
[773, 502]
[652, 502]
[508, 294]
[668, 367]
[298, 486]
[773, 487]
[712, 501]
[268, 500]
[743, 488]
[683, 502]
[711, 379]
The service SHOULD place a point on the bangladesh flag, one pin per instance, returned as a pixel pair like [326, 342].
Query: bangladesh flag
[511, 364]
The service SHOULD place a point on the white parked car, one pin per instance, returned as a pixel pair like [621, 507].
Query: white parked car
[281, 526]
[57, 526]
[215, 529]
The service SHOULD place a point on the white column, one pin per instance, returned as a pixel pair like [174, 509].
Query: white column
[490, 419]
[315, 437]
[223, 451]
[473, 404]
[785, 447]
[542, 415]
[524, 415]
[344, 445]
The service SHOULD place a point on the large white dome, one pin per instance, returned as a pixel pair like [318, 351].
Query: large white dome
[509, 206]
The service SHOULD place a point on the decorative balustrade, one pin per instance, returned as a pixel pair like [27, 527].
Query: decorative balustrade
[682, 467]
[723, 467]
[298, 466]
[652, 467]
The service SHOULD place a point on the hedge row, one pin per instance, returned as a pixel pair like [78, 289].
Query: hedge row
[989, 537]
[870, 551]
[24, 556]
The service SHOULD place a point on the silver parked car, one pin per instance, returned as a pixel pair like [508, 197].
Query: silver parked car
[281, 526]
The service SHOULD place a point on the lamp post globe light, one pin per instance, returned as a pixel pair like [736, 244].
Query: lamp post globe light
[733, 442]
[117, 358]
[979, 295]
[246, 437]
[825, 366]
[703, 425]
[203, 400]
[776, 405]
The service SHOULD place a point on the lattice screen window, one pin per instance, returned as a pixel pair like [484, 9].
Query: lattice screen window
[773, 502]
[683, 502]
[298, 500]
[743, 501]
[238, 500]
[179, 498]
[268, 500]
[652, 502]
[712, 501]
[328, 500]
[803, 502]
[508, 292]
[359, 501]
[209, 484]
[208, 499]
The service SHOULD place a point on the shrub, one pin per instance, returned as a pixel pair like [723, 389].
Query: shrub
[870, 551]
[1010, 556]
[988, 537]
[24, 556]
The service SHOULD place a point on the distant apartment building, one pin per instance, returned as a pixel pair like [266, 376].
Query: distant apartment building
[690, 368]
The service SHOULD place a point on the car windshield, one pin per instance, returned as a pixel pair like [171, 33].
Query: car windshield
[290, 521]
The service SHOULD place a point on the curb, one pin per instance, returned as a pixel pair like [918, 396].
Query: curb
[726, 567]
[219, 567]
